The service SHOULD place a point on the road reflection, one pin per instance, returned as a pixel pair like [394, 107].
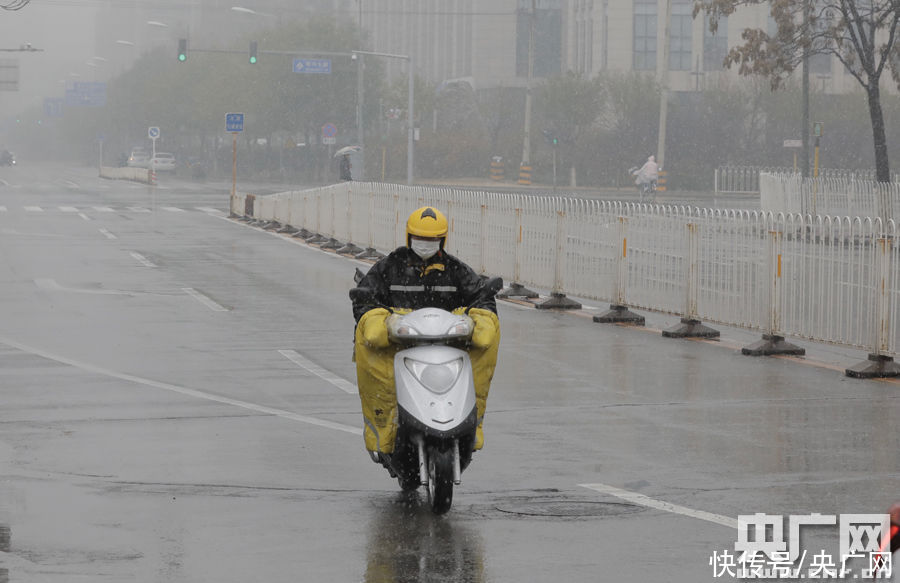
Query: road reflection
[409, 544]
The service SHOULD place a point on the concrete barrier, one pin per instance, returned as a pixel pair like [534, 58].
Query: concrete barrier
[135, 174]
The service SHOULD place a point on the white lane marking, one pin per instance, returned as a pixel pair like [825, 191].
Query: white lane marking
[138, 209]
[320, 372]
[103, 209]
[143, 260]
[68, 209]
[47, 283]
[184, 390]
[207, 209]
[636, 498]
[84, 216]
[107, 234]
[204, 300]
[34, 209]
[173, 209]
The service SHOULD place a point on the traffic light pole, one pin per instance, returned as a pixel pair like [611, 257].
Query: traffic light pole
[410, 130]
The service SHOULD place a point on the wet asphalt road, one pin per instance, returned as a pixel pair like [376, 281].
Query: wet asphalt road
[176, 408]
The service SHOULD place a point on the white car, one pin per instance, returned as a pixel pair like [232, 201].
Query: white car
[138, 159]
[163, 162]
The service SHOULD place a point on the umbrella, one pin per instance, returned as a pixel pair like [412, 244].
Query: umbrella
[347, 150]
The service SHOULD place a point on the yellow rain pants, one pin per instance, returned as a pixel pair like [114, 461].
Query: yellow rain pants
[374, 355]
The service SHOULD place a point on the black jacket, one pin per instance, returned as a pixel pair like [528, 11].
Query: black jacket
[404, 280]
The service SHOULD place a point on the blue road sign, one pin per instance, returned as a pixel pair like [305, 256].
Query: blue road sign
[153, 132]
[234, 122]
[329, 130]
[53, 107]
[86, 94]
[312, 66]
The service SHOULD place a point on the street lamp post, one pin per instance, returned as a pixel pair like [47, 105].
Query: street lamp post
[410, 142]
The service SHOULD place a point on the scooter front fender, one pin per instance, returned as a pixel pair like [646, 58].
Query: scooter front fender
[441, 412]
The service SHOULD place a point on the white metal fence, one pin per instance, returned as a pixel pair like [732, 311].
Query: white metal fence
[842, 197]
[832, 280]
[747, 179]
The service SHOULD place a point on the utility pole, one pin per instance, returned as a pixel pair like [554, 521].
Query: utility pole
[663, 69]
[360, 88]
[526, 147]
[360, 74]
[804, 84]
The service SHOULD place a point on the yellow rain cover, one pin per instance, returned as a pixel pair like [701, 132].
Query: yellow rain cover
[374, 357]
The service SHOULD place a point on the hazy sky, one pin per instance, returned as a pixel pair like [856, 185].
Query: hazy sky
[65, 30]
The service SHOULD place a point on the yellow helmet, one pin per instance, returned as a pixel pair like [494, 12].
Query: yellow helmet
[426, 222]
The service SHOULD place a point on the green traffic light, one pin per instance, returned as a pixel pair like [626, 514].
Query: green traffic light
[182, 57]
[252, 60]
[555, 141]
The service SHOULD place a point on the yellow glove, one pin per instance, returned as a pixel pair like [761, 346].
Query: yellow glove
[374, 332]
[487, 327]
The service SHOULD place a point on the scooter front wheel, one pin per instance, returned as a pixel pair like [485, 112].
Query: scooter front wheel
[440, 480]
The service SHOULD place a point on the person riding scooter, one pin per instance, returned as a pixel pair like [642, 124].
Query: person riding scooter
[420, 274]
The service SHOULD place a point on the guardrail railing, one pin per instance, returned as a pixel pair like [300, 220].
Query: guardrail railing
[746, 179]
[824, 279]
[843, 197]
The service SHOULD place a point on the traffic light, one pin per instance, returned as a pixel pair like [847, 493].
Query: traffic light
[182, 50]
[253, 52]
[550, 136]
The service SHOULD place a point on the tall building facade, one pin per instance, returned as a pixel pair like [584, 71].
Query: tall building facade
[488, 40]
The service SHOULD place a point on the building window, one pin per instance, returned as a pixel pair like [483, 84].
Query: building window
[645, 35]
[681, 33]
[715, 45]
[547, 38]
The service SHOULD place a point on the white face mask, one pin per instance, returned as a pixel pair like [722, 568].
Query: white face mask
[424, 249]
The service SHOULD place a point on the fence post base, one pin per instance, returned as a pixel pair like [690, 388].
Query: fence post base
[877, 366]
[369, 253]
[302, 234]
[331, 244]
[771, 344]
[288, 229]
[272, 225]
[690, 329]
[517, 290]
[316, 239]
[619, 315]
[557, 302]
[349, 249]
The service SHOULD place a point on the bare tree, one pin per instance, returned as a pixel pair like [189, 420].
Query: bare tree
[861, 34]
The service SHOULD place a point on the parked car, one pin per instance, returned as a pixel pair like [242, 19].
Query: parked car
[139, 158]
[163, 162]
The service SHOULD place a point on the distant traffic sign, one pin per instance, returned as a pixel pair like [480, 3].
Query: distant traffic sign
[86, 94]
[312, 66]
[153, 132]
[234, 122]
[53, 107]
[329, 130]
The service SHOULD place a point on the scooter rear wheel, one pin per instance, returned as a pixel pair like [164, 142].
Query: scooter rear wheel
[440, 480]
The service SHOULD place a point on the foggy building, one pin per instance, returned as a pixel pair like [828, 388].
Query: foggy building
[487, 40]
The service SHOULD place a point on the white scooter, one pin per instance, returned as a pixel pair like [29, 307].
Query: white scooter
[437, 415]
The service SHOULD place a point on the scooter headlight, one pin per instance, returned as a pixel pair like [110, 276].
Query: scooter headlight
[437, 378]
